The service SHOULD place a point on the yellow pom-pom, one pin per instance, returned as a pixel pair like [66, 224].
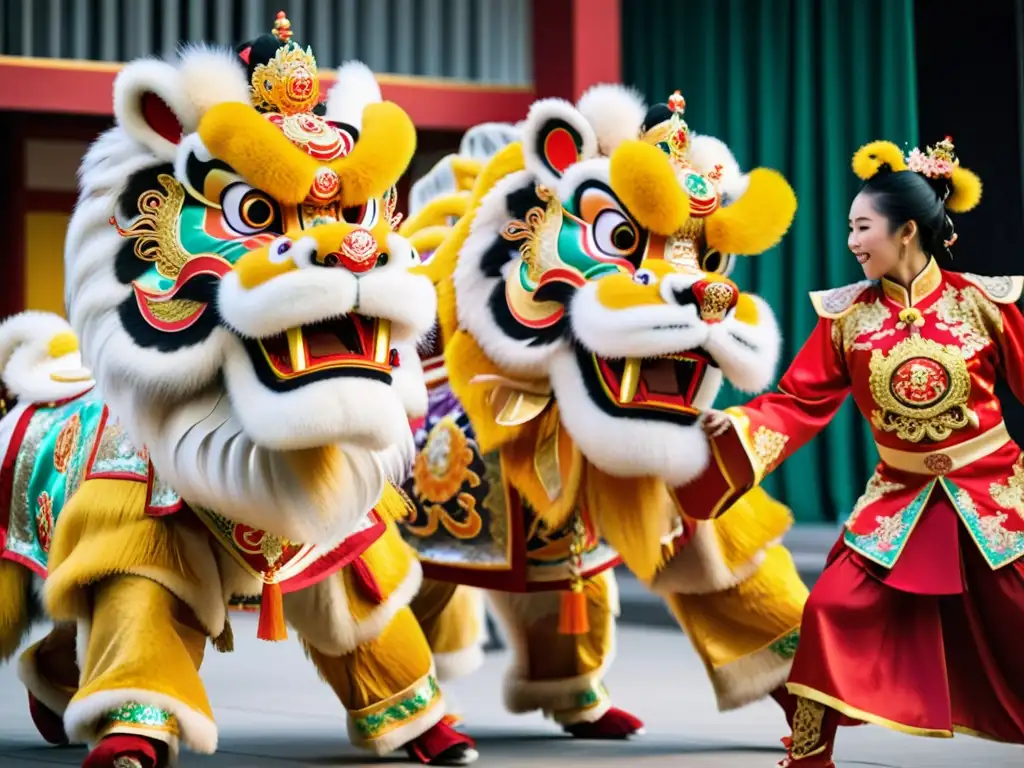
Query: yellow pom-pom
[966, 191]
[63, 343]
[869, 158]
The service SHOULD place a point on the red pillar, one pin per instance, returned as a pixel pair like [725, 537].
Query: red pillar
[576, 44]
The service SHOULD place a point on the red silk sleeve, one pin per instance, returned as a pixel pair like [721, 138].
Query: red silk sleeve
[1011, 349]
[771, 427]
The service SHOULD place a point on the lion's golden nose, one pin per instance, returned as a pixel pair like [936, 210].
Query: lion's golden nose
[715, 298]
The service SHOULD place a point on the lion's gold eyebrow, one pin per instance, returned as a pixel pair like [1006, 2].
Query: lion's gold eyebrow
[255, 148]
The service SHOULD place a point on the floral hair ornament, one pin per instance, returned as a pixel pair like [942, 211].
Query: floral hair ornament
[936, 162]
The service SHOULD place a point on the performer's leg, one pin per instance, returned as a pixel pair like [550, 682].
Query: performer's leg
[871, 653]
[392, 697]
[563, 674]
[358, 630]
[453, 618]
[140, 689]
[982, 631]
[746, 635]
[49, 671]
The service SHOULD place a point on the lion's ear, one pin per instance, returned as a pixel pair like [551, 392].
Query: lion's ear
[151, 105]
[555, 136]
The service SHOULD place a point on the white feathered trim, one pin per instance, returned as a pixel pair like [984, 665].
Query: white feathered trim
[616, 113]
[747, 354]
[354, 88]
[211, 76]
[164, 80]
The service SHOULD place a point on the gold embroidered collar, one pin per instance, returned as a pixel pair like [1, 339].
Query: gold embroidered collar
[922, 286]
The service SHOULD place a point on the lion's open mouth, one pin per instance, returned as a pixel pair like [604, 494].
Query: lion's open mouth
[670, 382]
[348, 345]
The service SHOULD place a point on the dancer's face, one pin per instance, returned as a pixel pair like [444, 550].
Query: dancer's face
[874, 241]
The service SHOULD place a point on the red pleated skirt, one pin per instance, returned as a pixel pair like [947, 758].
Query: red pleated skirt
[935, 646]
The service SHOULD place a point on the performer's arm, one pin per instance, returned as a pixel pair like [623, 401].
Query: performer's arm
[1011, 348]
[770, 428]
[776, 424]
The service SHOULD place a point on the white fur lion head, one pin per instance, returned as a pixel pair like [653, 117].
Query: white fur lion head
[234, 233]
[596, 260]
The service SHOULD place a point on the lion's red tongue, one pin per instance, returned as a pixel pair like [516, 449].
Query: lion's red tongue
[660, 377]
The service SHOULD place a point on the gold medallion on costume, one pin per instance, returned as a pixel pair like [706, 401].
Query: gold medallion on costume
[922, 388]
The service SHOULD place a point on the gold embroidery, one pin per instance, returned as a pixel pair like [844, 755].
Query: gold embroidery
[156, 228]
[768, 446]
[968, 315]
[807, 729]
[890, 529]
[927, 280]
[922, 388]
[1011, 495]
[875, 489]
[991, 526]
[860, 321]
[442, 472]
[67, 441]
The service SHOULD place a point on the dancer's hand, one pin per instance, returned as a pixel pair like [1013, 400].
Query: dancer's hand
[714, 423]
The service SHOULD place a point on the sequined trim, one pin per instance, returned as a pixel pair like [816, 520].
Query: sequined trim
[785, 647]
[884, 544]
[406, 706]
[591, 697]
[873, 491]
[133, 714]
[998, 545]
[835, 302]
[1002, 289]
[768, 446]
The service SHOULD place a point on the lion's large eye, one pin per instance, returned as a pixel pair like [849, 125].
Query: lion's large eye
[614, 234]
[717, 262]
[365, 216]
[246, 210]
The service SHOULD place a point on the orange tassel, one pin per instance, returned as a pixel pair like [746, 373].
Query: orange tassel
[272, 626]
[572, 616]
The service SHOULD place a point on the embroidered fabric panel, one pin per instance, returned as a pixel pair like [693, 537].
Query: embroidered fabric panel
[999, 545]
[886, 542]
[50, 466]
[462, 516]
[378, 721]
[116, 457]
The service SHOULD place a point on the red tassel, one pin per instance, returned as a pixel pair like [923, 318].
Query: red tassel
[572, 615]
[272, 626]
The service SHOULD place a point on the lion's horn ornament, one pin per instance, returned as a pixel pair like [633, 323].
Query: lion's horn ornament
[935, 162]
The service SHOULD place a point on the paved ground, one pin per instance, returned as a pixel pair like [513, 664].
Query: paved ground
[274, 712]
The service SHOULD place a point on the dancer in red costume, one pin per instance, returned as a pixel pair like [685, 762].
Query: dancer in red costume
[917, 620]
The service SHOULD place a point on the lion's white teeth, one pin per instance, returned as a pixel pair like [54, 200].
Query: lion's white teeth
[382, 342]
[297, 350]
[630, 380]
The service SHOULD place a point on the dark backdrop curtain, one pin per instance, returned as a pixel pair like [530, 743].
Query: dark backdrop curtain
[795, 85]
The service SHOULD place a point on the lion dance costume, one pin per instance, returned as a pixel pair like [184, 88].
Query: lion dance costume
[239, 292]
[915, 623]
[585, 320]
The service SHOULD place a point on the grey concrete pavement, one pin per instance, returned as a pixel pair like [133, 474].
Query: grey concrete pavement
[273, 711]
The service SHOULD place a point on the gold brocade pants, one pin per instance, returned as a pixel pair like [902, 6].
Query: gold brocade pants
[558, 674]
[146, 593]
